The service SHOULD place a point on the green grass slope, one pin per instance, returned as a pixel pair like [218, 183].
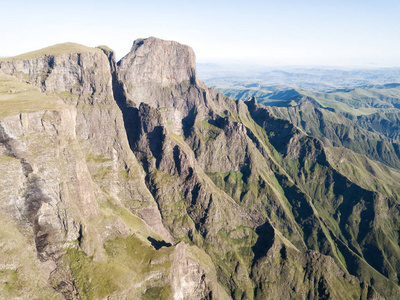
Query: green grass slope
[19, 97]
[64, 48]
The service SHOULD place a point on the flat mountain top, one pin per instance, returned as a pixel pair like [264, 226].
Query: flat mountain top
[63, 48]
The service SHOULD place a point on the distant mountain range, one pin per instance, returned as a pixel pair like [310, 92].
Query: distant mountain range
[316, 79]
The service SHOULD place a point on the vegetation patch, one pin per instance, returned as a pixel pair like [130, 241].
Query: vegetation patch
[129, 261]
[19, 97]
[97, 158]
[158, 292]
[94, 279]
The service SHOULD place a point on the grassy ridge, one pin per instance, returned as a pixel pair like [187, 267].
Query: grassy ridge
[64, 48]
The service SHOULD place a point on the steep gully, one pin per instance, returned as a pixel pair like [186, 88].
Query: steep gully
[131, 122]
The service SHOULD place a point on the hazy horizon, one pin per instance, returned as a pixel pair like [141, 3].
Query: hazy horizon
[272, 33]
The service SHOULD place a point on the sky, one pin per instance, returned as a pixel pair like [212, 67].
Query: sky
[285, 32]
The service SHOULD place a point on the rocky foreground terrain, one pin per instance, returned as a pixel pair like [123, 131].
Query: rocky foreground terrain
[133, 180]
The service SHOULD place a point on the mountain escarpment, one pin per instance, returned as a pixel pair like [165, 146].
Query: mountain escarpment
[134, 180]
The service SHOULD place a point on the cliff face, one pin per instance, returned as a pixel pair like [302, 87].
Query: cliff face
[134, 180]
[156, 62]
[93, 188]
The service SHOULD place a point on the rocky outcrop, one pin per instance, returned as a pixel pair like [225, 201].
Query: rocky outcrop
[194, 280]
[154, 64]
[162, 74]
[82, 74]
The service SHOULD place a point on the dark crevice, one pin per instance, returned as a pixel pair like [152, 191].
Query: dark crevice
[206, 211]
[283, 253]
[80, 235]
[26, 167]
[195, 193]
[190, 174]
[156, 139]
[79, 62]
[7, 143]
[158, 244]
[266, 236]
[63, 283]
[200, 225]
[219, 122]
[51, 63]
[188, 122]
[130, 114]
[34, 196]
[246, 168]
[323, 294]
[177, 159]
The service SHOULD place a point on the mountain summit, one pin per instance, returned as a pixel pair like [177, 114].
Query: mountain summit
[133, 180]
[158, 62]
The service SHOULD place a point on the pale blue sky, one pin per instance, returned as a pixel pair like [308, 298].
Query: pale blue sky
[325, 32]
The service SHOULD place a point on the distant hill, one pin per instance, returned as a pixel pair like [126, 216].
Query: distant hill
[316, 79]
[366, 121]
